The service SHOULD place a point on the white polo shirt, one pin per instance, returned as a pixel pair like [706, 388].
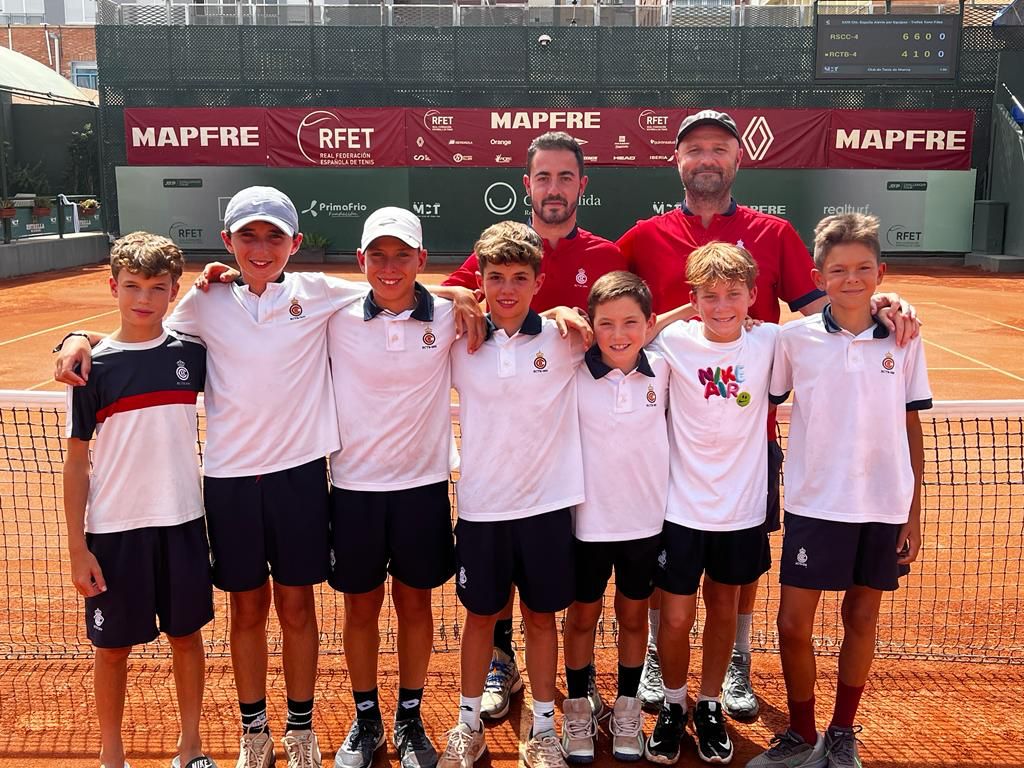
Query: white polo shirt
[392, 386]
[269, 403]
[718, 477]
[848, 458]
[521, 451]
[624, 433]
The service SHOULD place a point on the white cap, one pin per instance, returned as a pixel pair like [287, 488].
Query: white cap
[261, 204]
[393, 222]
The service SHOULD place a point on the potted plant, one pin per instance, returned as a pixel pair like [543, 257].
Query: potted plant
[313, 250]
[88, 207]
[42, 205]
[7, 209]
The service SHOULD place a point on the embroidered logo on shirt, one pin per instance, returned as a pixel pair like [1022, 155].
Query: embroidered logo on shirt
[888, 362]
[97, 619]
[801, 558]
[429, 339]
[181, 371]
[581, 277]
[295, 310]
[652, 396]
[722, 382]
[540, 362]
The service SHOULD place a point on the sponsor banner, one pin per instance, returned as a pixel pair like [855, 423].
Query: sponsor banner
[782, 138]
[921, 139]
[336, 138]
[195, 136]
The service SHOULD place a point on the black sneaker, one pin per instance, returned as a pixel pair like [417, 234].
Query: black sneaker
[713, 742]
[364, 738]
[413, 745]
[664, 744]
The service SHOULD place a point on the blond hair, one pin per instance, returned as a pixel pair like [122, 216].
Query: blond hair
[845, 228]
[146, 254]
[720, 263]
[619, 285]
[509, 242]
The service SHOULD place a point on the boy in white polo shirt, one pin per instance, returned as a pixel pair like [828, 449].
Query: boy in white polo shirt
[718, 483]
[623, 396]
[390, 511]
[854, 391]
[521, 472]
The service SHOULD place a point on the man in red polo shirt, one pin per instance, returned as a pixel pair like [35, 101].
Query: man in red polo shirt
[573, 259]
[708, 154]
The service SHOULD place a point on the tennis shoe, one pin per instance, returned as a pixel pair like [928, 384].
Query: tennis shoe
[256, 751]
[364, 738]
[627, 728]
[738, 699]
[302, 749]
[713, 742]
[503, 680]
[652, 688]
[196, 762]
[465, 747]
[594, 695]
[414, 747]
[579, 730]
[544, 750]
[665, 743]
[841, 747]
[789, 750]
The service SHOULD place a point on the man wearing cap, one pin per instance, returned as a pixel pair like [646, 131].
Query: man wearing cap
[390, 511]
[708, 155]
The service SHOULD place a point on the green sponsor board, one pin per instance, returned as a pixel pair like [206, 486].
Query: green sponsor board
[924, 211]
[25, 224]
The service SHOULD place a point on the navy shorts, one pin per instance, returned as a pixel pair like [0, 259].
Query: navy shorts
[160, 573]
[728, 557]
[407, 533]
[772, 513]
[834, 556]
[634, 562]
[276, 524]
[533, 553]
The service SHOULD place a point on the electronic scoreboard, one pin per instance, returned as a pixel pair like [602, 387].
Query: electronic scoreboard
[890, 47]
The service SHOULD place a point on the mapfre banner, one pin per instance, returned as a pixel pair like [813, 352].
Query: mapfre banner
[927, 140]
[353, 138]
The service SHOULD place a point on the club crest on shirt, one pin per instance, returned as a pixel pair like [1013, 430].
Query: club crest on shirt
[295, 310]
[540, 362]
[429, 339]
[181, 371]
[581, 277]
[652, 396]
[888, 363]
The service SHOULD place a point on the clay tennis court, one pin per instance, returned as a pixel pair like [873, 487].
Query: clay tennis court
[962, 602]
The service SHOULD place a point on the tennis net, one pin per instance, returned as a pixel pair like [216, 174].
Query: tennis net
[962, 600]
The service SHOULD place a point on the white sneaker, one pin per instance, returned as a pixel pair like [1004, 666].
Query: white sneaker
[503, 680]
[593, 694]
[302, 749]
[544, 750]
[256, 751]
[202, 761]
[579, 730]
[465, 747]
[788, 750]
[652, 688]
[627, 729]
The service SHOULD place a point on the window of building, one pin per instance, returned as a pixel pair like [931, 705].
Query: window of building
[83, 74]
[79, 11]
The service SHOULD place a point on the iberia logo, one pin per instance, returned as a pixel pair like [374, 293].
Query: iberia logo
[295, 310]
[723, 382]
[652, 396]
[429, 338]
[539, 362]
[888, 362]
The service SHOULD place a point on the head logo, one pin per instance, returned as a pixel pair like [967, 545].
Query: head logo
[433, 120]
[758, 138]
[295, 310]
[500, 198]
[902, 237]
[429, 339]
[652, 396]
[649, 120]
[311, 210]
[181, 371]
[581, 277]
[888, 362]
[540, 362]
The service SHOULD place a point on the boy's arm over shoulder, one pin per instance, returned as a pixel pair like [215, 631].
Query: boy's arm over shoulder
[465, 276]
[915, 373]
[85, 570]
[782, 370]
[185, 317]
[340, 292]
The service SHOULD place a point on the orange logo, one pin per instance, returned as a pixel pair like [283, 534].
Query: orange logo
[539, 362]
[295, 310]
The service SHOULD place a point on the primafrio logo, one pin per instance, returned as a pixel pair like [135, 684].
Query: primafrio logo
[322, 131]
[334, 210]
[649, 120]
[500, 198]
[758, 138]
[435, 120]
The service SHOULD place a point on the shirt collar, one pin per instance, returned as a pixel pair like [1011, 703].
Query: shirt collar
[879, 331]
[575, 230]
[241, 283]
[423, 311]
[532, 325]
[599, 369]
[728, 211]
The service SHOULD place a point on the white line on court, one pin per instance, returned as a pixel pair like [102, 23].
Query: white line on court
[58, 327]
[958, 368]
[979, 317]
[40, 385]
[974, 360]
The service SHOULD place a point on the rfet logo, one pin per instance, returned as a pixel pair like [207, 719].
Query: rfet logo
[434, 120]
[649, 120]
[321, 131]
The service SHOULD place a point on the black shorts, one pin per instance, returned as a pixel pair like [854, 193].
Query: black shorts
[728, 557]
[772, 513]
[151, 573]
[634, 562]
[406, 533]
[533, 553]
[269, 524]
[834, 556]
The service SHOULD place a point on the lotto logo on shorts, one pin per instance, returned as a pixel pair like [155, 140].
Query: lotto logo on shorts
[540, 363]
[97, 619]
[295, 310]
[181, 371]
[429, 339]
[888, 362]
